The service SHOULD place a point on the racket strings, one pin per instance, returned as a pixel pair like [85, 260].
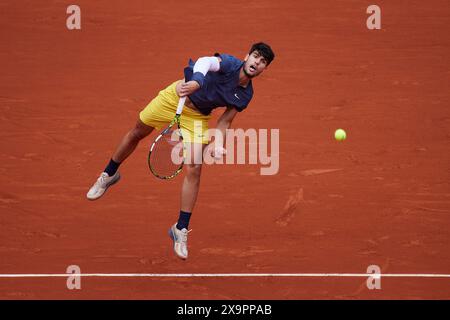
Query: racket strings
[166, 157]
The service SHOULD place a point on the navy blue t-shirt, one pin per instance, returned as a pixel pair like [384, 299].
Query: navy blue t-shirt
[220, 88]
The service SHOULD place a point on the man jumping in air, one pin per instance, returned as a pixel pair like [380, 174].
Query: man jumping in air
[212, 82]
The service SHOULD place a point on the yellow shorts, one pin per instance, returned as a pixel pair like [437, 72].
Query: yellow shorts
[161, 111]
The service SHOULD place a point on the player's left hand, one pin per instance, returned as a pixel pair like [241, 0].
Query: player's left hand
[187, 88]
[216, 152]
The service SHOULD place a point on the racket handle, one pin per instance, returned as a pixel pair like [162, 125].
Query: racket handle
[181, 105]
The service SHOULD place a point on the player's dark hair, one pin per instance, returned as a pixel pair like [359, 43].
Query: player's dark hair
[263, 49]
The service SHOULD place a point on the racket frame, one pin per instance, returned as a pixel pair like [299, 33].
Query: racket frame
[176, 120]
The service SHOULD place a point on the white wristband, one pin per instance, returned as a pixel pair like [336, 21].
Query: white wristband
[206, 64]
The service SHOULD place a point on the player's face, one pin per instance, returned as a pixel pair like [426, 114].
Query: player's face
[255, 63]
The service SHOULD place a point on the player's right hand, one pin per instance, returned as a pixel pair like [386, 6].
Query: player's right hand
[187, 88]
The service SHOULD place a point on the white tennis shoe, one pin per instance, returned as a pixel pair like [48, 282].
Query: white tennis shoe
[179, 238]
[100, 186]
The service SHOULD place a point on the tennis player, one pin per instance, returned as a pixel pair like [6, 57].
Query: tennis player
[211, 82]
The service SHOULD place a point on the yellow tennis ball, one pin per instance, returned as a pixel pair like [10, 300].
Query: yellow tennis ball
[340, 135]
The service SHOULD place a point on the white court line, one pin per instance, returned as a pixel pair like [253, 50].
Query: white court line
[225, 275]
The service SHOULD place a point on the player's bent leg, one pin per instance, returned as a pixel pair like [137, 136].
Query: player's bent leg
[157, 113]
[130, 141]
[127, 145]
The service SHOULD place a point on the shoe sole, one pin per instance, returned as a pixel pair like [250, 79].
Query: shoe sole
[172, 236]
[107, 186]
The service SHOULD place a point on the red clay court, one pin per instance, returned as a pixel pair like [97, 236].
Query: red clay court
[381, 197]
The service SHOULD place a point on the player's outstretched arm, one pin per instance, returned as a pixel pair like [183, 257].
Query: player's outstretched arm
[216, 148]
[226, 119]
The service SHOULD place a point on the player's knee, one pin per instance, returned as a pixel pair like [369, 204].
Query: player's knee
[134, 135]
[138, 133]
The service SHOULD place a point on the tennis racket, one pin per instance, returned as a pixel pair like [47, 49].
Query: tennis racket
[166, 155]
